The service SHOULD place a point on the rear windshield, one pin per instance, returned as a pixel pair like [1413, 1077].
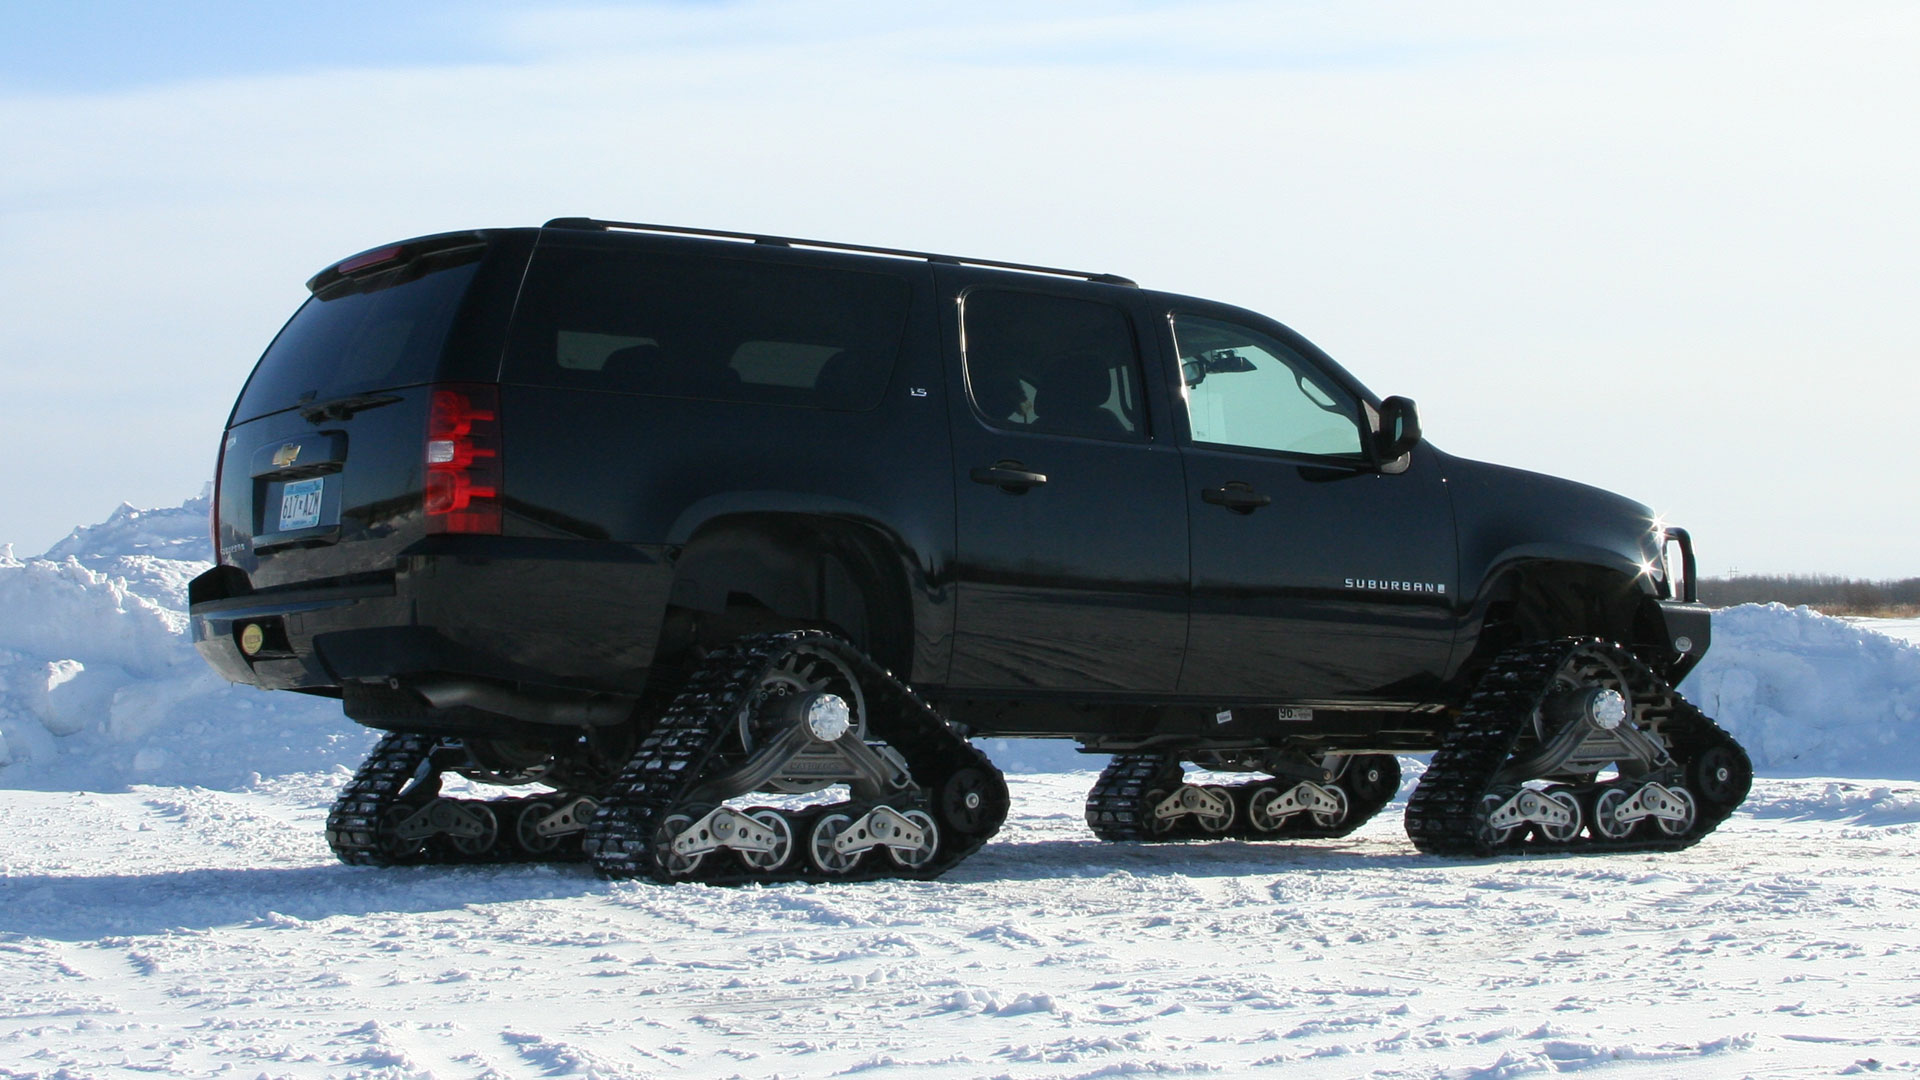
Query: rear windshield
[358, 336]
[675, 325]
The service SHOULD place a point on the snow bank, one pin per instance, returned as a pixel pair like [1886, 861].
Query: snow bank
[1810, 695]
[99, 687]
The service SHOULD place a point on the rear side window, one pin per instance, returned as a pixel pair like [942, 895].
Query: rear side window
[382, 332]
[1053, 364]
[673, 325]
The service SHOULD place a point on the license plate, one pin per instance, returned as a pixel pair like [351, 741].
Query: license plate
[1295, 714]
[300, 504]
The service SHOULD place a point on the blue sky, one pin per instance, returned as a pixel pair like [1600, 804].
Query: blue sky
[108, 45]
[1666, 248]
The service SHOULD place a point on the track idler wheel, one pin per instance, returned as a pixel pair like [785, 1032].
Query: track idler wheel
[972, 802]
[1372, 778]
[1721, 775]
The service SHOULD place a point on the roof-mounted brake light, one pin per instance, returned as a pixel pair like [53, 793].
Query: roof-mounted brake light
[366, 259]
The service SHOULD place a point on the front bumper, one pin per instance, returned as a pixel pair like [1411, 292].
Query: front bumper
[1683, 634]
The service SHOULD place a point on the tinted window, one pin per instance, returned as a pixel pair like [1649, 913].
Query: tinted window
[1245, 388]
[376, 333]
[1052, 364]
[698, 327]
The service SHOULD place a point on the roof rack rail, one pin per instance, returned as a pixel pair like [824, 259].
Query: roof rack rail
[792, 241]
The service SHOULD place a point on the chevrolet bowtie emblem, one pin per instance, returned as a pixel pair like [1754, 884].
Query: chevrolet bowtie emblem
[286, 455]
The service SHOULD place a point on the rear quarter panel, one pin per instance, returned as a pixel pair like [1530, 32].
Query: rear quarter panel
[654, 471]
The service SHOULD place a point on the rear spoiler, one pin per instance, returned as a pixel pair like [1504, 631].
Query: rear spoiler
[376, 261]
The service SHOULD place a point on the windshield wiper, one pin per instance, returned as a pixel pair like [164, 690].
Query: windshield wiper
[342, 408]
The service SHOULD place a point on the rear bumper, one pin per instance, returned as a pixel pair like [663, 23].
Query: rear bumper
[568, 617]
[291, 624]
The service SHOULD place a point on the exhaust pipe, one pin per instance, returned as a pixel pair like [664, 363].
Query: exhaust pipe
[600, 710]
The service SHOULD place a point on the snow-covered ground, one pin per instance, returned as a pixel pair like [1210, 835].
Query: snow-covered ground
[186, 932]
[168, 906]
[1907, 630]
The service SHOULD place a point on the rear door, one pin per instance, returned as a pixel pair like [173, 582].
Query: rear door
[1071, 570]
[1317, 576]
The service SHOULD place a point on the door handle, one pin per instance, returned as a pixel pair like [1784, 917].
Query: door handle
[1009, 476]
[1236, 496]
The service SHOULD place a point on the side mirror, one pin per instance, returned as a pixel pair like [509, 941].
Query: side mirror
[1399, 428]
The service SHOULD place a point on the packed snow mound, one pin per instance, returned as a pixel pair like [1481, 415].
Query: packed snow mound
[100, 686]
[173, 532]
[1811, 695]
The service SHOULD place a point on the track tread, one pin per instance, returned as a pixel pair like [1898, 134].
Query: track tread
[1441, 813]
[677, 752]
[1117, 808]
[354, 823]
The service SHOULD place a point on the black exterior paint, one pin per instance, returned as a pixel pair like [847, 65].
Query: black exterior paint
[1111, 602]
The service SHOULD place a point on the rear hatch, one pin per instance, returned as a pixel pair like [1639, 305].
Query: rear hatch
[381, 390]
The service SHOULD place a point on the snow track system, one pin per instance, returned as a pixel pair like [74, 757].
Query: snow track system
[794, 757]
[1146, 797]
[392, 813]
[792, 715]
[796, 714]
[1521, 770]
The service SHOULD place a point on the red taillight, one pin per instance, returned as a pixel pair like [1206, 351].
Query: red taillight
[463, 459]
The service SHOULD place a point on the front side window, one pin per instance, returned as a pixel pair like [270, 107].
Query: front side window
[1052, 364]
[1247, 389]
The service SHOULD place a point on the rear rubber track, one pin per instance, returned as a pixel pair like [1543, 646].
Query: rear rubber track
[1118, 807]
[625, 839]
[359, 827]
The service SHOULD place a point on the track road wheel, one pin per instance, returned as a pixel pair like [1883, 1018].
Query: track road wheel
[1160, 826]
[1564, 834]
[922, 855]
[1606, 815]
[1215, 824]
[1260, 809]
[1332, 819]
[677, 865]
[489, 823]
[392, 845]
[526, 828]
[820, 845]
[1690, 814]
[1484, 830]
[765, 861]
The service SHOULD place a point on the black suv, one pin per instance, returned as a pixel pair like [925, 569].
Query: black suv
[718, 546]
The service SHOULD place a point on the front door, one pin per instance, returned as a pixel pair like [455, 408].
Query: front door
[1317, 575]
[1072, 531]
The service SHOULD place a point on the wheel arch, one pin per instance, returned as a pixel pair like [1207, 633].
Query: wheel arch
[758, 571]
[1546, 594]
